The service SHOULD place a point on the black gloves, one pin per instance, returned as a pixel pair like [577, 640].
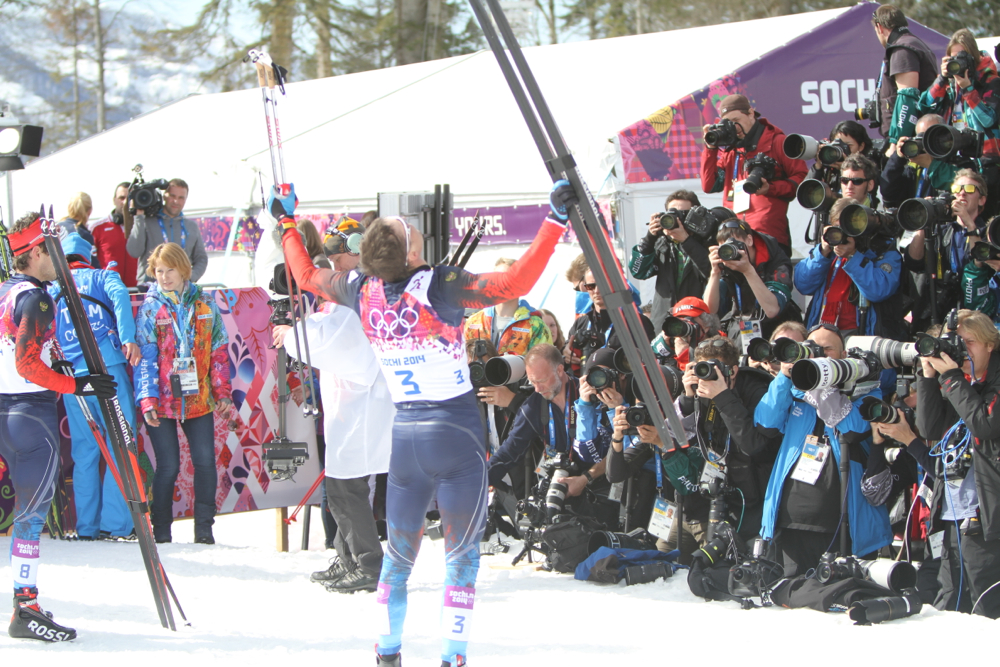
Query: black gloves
[101, 386]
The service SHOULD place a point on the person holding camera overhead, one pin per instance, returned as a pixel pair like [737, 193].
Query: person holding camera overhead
[670, 252]
[166, 224]
[751, 283]
[183, 378]
[753, 174]
[967, 93]
[958, 386]
[802, 504]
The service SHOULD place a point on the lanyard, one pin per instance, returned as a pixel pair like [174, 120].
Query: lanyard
[736, 166]
[163, 231]
[183, 342]
[957, 248]
[659, 470]
[552, 422]
[840, 261]
[922, 182]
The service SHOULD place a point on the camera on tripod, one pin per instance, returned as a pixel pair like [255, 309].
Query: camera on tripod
[547, 500]
[144, 195]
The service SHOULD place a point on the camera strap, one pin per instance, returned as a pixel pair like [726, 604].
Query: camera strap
[163, 231]
[569, 415]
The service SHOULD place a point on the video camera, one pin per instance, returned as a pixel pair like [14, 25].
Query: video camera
[759, 168]
[804, 147]
[815, 195]
[144, 195]
[283, 457]
[949, 342]
[722, 134]
[857, 220]
[916, 214]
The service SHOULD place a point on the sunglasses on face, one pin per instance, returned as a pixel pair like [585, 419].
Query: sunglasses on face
[589, 287]
[968, 188]
[844, 180]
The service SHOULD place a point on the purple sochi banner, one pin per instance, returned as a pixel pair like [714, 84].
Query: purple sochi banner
[504, 224]
[804, 87]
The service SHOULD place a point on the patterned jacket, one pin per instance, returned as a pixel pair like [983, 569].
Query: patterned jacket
[526, 329]
[157, 340]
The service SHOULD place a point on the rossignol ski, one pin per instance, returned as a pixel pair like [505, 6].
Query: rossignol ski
[586, 223]
[118, 429]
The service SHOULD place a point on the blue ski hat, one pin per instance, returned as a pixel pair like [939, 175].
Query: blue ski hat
[74, 244]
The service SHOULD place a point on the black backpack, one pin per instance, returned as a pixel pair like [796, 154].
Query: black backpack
[568, 542]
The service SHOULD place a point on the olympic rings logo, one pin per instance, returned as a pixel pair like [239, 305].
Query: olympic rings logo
[390, 324]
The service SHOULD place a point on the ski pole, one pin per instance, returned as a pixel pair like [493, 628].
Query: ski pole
[305, 498]
[480, 232]
[465, 239]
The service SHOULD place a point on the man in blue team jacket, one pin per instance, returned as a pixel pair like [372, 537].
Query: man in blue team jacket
[100, 509]
[802, 501]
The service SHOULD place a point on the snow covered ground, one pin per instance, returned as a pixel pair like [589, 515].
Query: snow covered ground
[250, 605]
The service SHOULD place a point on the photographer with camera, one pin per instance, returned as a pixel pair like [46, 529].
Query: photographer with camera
[967, 93]
[109, 239]
[671, 252]
[163, 223]
[859, 180]
[802, 505]
[689, 323]
[718, 406]
[753, 174]
[957, 223]
[594, 329]
[959, 384]
[513, 327]
[751, 282]
[911, 172]
[852, 282]
[907, 70]
[847, 138]
[768, 363]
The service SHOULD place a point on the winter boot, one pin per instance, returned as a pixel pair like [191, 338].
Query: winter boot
[393, 660]
[355, 580]
[338, 568]
[30, 622]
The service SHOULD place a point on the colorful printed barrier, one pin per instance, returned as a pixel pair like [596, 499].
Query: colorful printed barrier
[243, 482]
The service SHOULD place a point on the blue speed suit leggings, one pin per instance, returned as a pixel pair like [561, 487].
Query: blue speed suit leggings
[99, 506]
[29, 442]
[436, 447]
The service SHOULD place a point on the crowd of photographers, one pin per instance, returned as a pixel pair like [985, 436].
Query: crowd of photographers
[861, 424]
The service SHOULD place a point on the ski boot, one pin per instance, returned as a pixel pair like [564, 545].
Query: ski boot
[459, 662]
[392, 660]
[30, 622]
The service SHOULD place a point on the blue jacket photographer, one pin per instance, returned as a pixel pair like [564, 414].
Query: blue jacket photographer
[957, 406]
[851, 280]
[802, 504]
[718, 407]
[917, 175]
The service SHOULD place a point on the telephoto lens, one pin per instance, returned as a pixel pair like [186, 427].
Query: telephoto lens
[788, 351]
[945, 142]
[878, 411]
[815, 195]
[505, 369]
[620, 361]
[759, 349]
[891, 353]
[555, 497]
[676, 327]
[985, 252]
[800, 147]
[645, 573]
[810, 374]
[866, 612]
[915, 214]
[833, 152]
[858, 220]
[835, 236]
[477, 374]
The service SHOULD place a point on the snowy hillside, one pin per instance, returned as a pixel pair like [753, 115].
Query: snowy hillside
[249, 605]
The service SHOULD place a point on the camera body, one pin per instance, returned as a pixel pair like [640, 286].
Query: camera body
[146, 196]
[833, 567]
[834, 236]
[732, 250]
[960, 64]
[588, 338]
[789, 351]
[722, 134]
[477, 367]
[282, 458]
[601, 378]
[870, 112]
[759, 168]
[711, 369]
[672, 218]
[911, 148]
[679, 327]
[637, 415]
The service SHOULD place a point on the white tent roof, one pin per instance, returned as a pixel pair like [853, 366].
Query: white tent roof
[406, 128]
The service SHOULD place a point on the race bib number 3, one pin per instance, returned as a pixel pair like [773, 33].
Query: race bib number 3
[456, 616]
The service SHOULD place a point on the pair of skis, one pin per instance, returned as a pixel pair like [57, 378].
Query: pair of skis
[586, 223]
[125, 465]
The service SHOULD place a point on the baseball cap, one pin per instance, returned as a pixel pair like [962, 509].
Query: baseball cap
[689, 306]
[734, 103]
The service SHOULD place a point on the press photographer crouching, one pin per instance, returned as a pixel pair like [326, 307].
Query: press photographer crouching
[814, 404]
[547, 424]
[958, 390]
[718, 409]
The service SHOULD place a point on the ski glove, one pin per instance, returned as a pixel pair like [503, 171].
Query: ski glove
[561, 198]
[99, 385]
[281, 203]
[63, 366]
